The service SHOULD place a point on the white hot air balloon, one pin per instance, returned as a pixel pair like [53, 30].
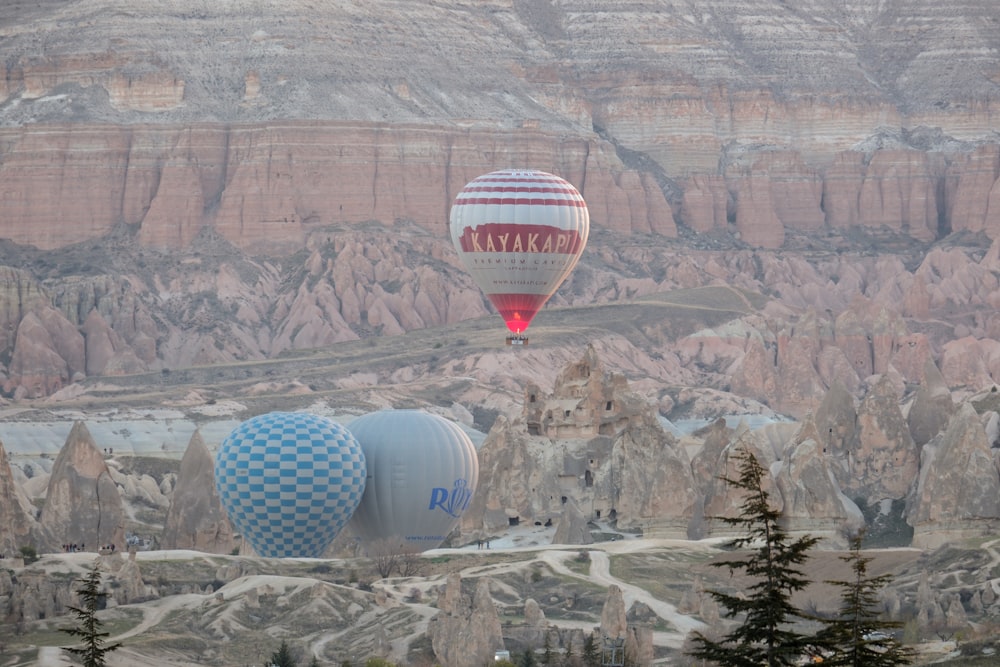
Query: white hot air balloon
[422, 473]
[519, 233]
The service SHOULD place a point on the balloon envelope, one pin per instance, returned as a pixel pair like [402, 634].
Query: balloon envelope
[519, 233]
[422, 472]
[289, 482]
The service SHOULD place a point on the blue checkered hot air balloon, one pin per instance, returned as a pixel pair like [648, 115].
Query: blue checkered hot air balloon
[289, 482]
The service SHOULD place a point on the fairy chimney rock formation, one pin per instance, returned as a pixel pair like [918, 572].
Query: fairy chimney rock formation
[811, 499]
[882, 460]
[196, 519]
[653, 486]
[535, 627]
[932, 406]
[572, 526]
[614, 621]
[16, 523]
[465, 633]
[613, 618]
[130, 587]
[958, 492]
[835, 419]
[82, 504]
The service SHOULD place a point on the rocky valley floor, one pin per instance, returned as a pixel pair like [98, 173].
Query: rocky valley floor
[227, 610]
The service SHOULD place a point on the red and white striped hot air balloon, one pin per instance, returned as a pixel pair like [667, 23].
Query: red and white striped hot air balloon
[519, 233]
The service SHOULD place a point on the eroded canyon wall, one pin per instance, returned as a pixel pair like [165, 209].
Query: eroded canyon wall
[265, 187]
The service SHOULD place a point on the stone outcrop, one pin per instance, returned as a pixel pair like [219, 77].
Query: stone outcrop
[466, 630]
[16, 524]
[591, 443]
[976, 191]
[169, 184]
[898, 193]
[37, 595]
[657, 488]
[508, 471]
[613, 620]
[45, 346]
[811, 498]
[636, 641]
[882, 460]
[535, 628]
[195, 518]
[586, 402]
[714, 438]
[724, 500]
[757, 222]
[705, 202]
[835, 421]
[572, 527]
[82, 504]
[126, 582]
[140, 488]
[958, 492]
[932, 406]
[799, 379]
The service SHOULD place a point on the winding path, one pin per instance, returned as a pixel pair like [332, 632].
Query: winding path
[600, 573]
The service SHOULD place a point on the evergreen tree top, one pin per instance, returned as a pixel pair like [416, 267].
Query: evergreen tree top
[765, 635]
[88, 628]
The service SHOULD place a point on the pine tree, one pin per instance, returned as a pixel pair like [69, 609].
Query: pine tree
[859, 636]
[569, 658]
[94, 650]
[764, 636]
[283, 656]
[591, 655]
[548, 653]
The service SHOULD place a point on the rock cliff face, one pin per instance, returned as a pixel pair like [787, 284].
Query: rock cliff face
[171, 182]
[266, 186]
[315, 115]
[295, 193]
